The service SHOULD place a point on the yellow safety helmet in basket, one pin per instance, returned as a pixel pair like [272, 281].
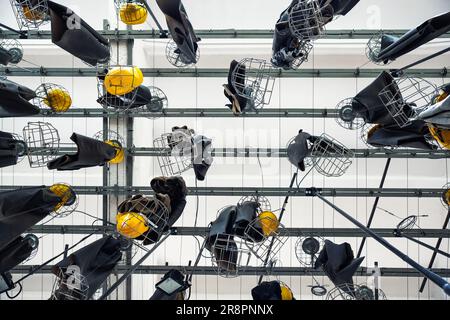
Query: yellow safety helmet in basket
[286, 292]
[65, 193]
[133, 13]
[440, 135]
[131, 224]
[446, 197]
[122, 80]
[58, 100]
[120, 153]
[269, 223]
[32, 15]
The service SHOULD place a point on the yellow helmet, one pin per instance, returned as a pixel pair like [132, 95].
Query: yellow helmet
[64, 192]
[286, 292]
[58, 100]
[442, 95]
[446, 196]
[440, 135]
[32, 15]
[120, 153]
[122, 80]
[133, 13]
[269, 223]
[131, 224]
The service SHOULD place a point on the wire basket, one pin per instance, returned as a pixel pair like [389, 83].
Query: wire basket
[292, 58]
[330, 157]
[307, 249]
[158, 104]
[407, 96]
[445, 196]
[115, 140]
[254, 80]
[364, 134]
[373, 48]
[70, 285]
[354, 292]
[174, 152]
[54, 97]
[30, 14]
[68, 203]
[43, 143]
[262, 201]
[13, 48]
[33, 241]
[131, 12]
[306, 20]
[176, 57]
[347, 117]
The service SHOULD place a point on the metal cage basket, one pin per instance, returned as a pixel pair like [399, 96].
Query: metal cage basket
[69, 200]
[306, 20]
[364, 134]
[262, 201]
[373, 48]
[354, 292]
[293, 58]
[330, 157]
[158, 104]
[301, 54]
[254, 80]
[177, 58]
[445, 197]
[54, 97]
[110, 135]
[307, 248]
[33, 240]
[13, 48]
[131, 12]
[43, 143]
[347, 117]
[407, 96]
[175, 152]
[70, 285]
[30, 14]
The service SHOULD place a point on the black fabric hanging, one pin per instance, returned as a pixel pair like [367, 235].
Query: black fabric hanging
[338, 263]
[17, 252]
[437, 114]
[180, 29]
[96, 262]
[414, 38]
[10, 149]
[74, 35]
[202, 157]
[267, 291]
[246, 213]
[23, 208]
[299, 149]
[139, 97]
[90, 153]
[236, 78]
[412, 136]
[5, 57]
[14, 100]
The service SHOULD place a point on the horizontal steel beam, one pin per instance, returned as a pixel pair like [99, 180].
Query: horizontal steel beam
[250, 271]
[287, 232]
[209, 34]
[267, 191]
[219, 73]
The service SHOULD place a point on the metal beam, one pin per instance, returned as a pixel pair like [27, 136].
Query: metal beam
[250, 271]
[267, 191]
[219, 73]
[209, 34]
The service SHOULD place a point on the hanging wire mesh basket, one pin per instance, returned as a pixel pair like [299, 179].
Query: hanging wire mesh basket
[373, 48]
[347, 117]
[131, 12]
[330, 157]
[254, 79]
[354, 292]
[158, 104]
[307, 249]
[115, 140]
[262, 201]
[70, 285]
[33, 241]
[177, 58]
[407, 223]
[365, 131]
[306, 20]
[30, 14]
[445, 195]
[13, 49]
[405, 97]
[43, 143]
[293, 58]
[174, 152]
[54, 97]
[69, 200]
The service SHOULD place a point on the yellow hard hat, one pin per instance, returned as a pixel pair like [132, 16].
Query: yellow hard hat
[440, 135]
[269, 223]
[131, 224]
[32, 15]
[446, 196]
[286, 292]
[442, 95]
[120, 153]
[58, 100]
[133, 13]
[64, 192]
[122, 80]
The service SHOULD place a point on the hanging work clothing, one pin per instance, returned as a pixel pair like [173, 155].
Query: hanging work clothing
[299, 149]
[202, 156]
[15, 100]
[139, 97]
[10, 149]
[17, 252]
[236, 81]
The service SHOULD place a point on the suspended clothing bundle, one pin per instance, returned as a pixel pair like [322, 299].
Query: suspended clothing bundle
[10, 149]
[273, 290]
[202, 157]
[74, 35]
[14, 100]
[90, 153]
[181, 30]
[238, 103]
[299, 149]
[92, 265]
[23, 208]
[18, 251]
[393, 47]
[338, 263]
